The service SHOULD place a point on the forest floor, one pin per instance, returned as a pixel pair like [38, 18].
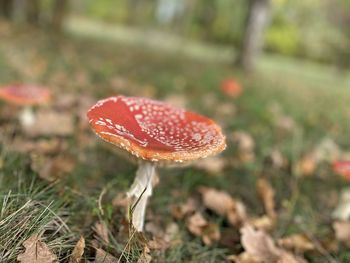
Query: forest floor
[283, 132]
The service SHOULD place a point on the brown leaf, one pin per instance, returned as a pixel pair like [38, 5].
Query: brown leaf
[198, 226]
[218, 201]
[342, 232]
[78, 251]
[52, 169]
[177, 100]
[171, 231]
[101, 231]
[223, 204]
[296, 242]
[244, 140]
[36, 251]
[155, 229]
[267, 195]
[246, 146]
[277, 159]
[212, 165]
[179, 211]
[43, 146]
[238, 215]
[263, 223]
[158, 244]
[104, 257]
[306, 166]
[259, 244]
[49, 123]
[225, 110]
[196, 223]
[211, 234]
[244, 258]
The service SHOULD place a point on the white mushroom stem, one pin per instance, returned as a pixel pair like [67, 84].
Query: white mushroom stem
[26, 117]
[140, 191]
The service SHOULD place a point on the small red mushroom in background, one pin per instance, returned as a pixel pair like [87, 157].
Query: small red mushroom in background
[231, 88]
[26, 96]
[153, 132]
[342, 168]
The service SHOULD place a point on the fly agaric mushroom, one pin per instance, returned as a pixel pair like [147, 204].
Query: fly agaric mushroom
[26, 96]
[155, 133]
[342, 168]
[231, 88]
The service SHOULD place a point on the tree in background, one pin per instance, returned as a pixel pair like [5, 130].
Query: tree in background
[60, 8]
[32, 11]
[258, 18]
[5, 8]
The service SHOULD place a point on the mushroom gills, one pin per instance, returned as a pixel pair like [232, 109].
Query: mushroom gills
[140, 191]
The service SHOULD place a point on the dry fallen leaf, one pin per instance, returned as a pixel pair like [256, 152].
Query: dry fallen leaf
[223, 111]
[306, 166]
[52, 169]
[196, 223]
[51, 123]
[223, 204]
[42, 146]
[259, 244]
[171, 231]
[198, 226]
[244, 140]
[78, 251]
[296, 242]
[218, 201]
[158, 244]
[244, 258]
[264, 222]
[101, 231]
[179, 211]
[212, 165]
[342, 231]
[177, 100]
[104, 257]
[246, 146]
[267, 195]
[36, 251]
[277, 159]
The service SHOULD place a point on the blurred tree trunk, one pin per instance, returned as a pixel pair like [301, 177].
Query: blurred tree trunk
[59, 11]
[258, 19]
[133, 11]
[6, 8]
[33, 10]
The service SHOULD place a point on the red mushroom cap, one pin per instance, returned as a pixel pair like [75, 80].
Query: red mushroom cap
[342, 168]
[22, 94]
[231, 87]
[154, 130]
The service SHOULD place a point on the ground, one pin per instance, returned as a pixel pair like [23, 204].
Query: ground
[289, 106]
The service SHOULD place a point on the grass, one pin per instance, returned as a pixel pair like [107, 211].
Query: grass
[313, 96]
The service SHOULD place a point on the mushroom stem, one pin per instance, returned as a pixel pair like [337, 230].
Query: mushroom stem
[26, 117]
[140, 191]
